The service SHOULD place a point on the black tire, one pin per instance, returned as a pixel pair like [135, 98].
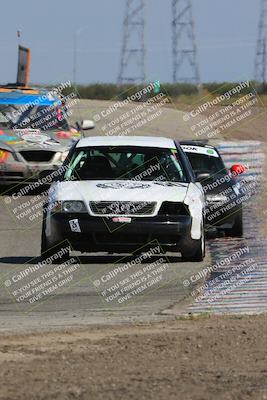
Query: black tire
[198, 251]
[43, 237]
[52, 251]
[237, 229]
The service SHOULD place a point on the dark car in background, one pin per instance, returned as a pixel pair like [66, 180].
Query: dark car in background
[221, 186]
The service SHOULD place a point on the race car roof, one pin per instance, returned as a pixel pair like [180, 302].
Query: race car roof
[140, 141]
[18, 98]
[204, 142]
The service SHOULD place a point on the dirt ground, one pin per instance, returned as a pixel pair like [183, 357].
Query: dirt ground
[199, 358]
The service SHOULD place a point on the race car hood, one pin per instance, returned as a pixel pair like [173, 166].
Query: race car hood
[119, 191]
[16, 140]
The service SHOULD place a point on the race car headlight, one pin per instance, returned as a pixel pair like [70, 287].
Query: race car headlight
[4, 155]
[63, 156]
[73, 206]
[171, 208]
[70, 206]
[216, 197]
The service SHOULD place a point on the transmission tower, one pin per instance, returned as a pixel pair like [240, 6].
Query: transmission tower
[132, 66]
[261, 54]
[184, 49]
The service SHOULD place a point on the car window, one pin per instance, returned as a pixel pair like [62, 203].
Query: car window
[125, 163]
[202, 163]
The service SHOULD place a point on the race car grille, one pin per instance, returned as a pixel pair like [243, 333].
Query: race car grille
[37, 155]
[122, 207]
[11, 174]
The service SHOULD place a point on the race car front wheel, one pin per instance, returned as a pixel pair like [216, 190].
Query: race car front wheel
[57, 253]
[198, 250]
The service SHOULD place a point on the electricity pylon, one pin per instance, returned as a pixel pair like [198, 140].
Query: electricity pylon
[261, 53]
[132, 66]
[184, 49]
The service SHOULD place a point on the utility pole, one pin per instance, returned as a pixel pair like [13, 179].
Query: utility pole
[132, 65]
[76, 36]
[261, 53]
[184, 49]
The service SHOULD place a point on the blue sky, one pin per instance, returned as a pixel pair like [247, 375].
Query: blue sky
[226, 33]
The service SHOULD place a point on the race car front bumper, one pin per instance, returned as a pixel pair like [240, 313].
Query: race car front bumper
[223, 215]
[86, 233]
[18, 172]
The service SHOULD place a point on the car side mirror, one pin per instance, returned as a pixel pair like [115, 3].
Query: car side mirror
[85, 124]
[237, 169]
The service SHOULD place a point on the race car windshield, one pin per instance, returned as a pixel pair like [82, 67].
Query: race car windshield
[125, 163]
[42, 117]
[202, 163]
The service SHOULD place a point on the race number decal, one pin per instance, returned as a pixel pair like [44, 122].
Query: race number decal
[74, 225]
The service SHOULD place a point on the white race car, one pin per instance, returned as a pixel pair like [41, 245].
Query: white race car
[118, 194]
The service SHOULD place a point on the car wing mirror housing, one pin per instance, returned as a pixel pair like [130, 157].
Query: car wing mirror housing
[85, 124]
[237, 169]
